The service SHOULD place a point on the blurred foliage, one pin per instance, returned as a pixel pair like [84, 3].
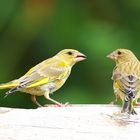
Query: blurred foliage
[33, 30]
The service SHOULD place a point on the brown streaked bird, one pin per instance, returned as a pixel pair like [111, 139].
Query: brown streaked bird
[46, 77]
[126, 77]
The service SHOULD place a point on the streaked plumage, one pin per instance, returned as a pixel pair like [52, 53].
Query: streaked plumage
[126, 77]
[46, 77]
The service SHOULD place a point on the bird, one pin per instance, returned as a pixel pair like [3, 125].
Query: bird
[46, 77]
[126, 78]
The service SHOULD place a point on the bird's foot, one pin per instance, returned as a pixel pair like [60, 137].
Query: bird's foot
[62, 105]
[59, 105]
[132, 112]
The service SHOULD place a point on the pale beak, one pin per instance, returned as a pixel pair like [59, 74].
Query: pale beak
[112, 56]
[80, 57]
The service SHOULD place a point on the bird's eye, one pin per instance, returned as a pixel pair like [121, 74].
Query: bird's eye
[69, 53]
[119, 53]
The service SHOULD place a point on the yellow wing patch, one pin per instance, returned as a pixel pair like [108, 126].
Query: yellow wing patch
[119, 87]
[41, 82]
[29, 71]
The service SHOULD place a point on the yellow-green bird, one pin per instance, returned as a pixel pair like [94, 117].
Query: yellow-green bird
[46, 77]
[126, 77]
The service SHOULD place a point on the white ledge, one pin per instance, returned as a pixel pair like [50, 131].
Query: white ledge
[76, 122]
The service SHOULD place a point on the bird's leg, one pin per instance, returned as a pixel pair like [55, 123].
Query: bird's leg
[46, 95]
[33, 98]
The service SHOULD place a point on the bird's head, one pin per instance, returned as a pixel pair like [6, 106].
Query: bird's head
[122, 55]
[71, 56]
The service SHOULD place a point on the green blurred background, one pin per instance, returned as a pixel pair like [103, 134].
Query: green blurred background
[33, 30]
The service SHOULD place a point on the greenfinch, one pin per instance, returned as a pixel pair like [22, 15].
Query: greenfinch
[126, 77]
[46, 77]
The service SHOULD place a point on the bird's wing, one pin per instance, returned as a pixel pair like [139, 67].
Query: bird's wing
[126, 78]
[45, 72]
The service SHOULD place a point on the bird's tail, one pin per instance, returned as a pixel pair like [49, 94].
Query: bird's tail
[129, 107]
[9, 85]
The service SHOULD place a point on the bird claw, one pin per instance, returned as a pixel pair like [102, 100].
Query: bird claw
[132, 112]
[58, 105]
[62, 105]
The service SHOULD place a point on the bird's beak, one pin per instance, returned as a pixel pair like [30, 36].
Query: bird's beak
[112, 56]
[80, 57]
